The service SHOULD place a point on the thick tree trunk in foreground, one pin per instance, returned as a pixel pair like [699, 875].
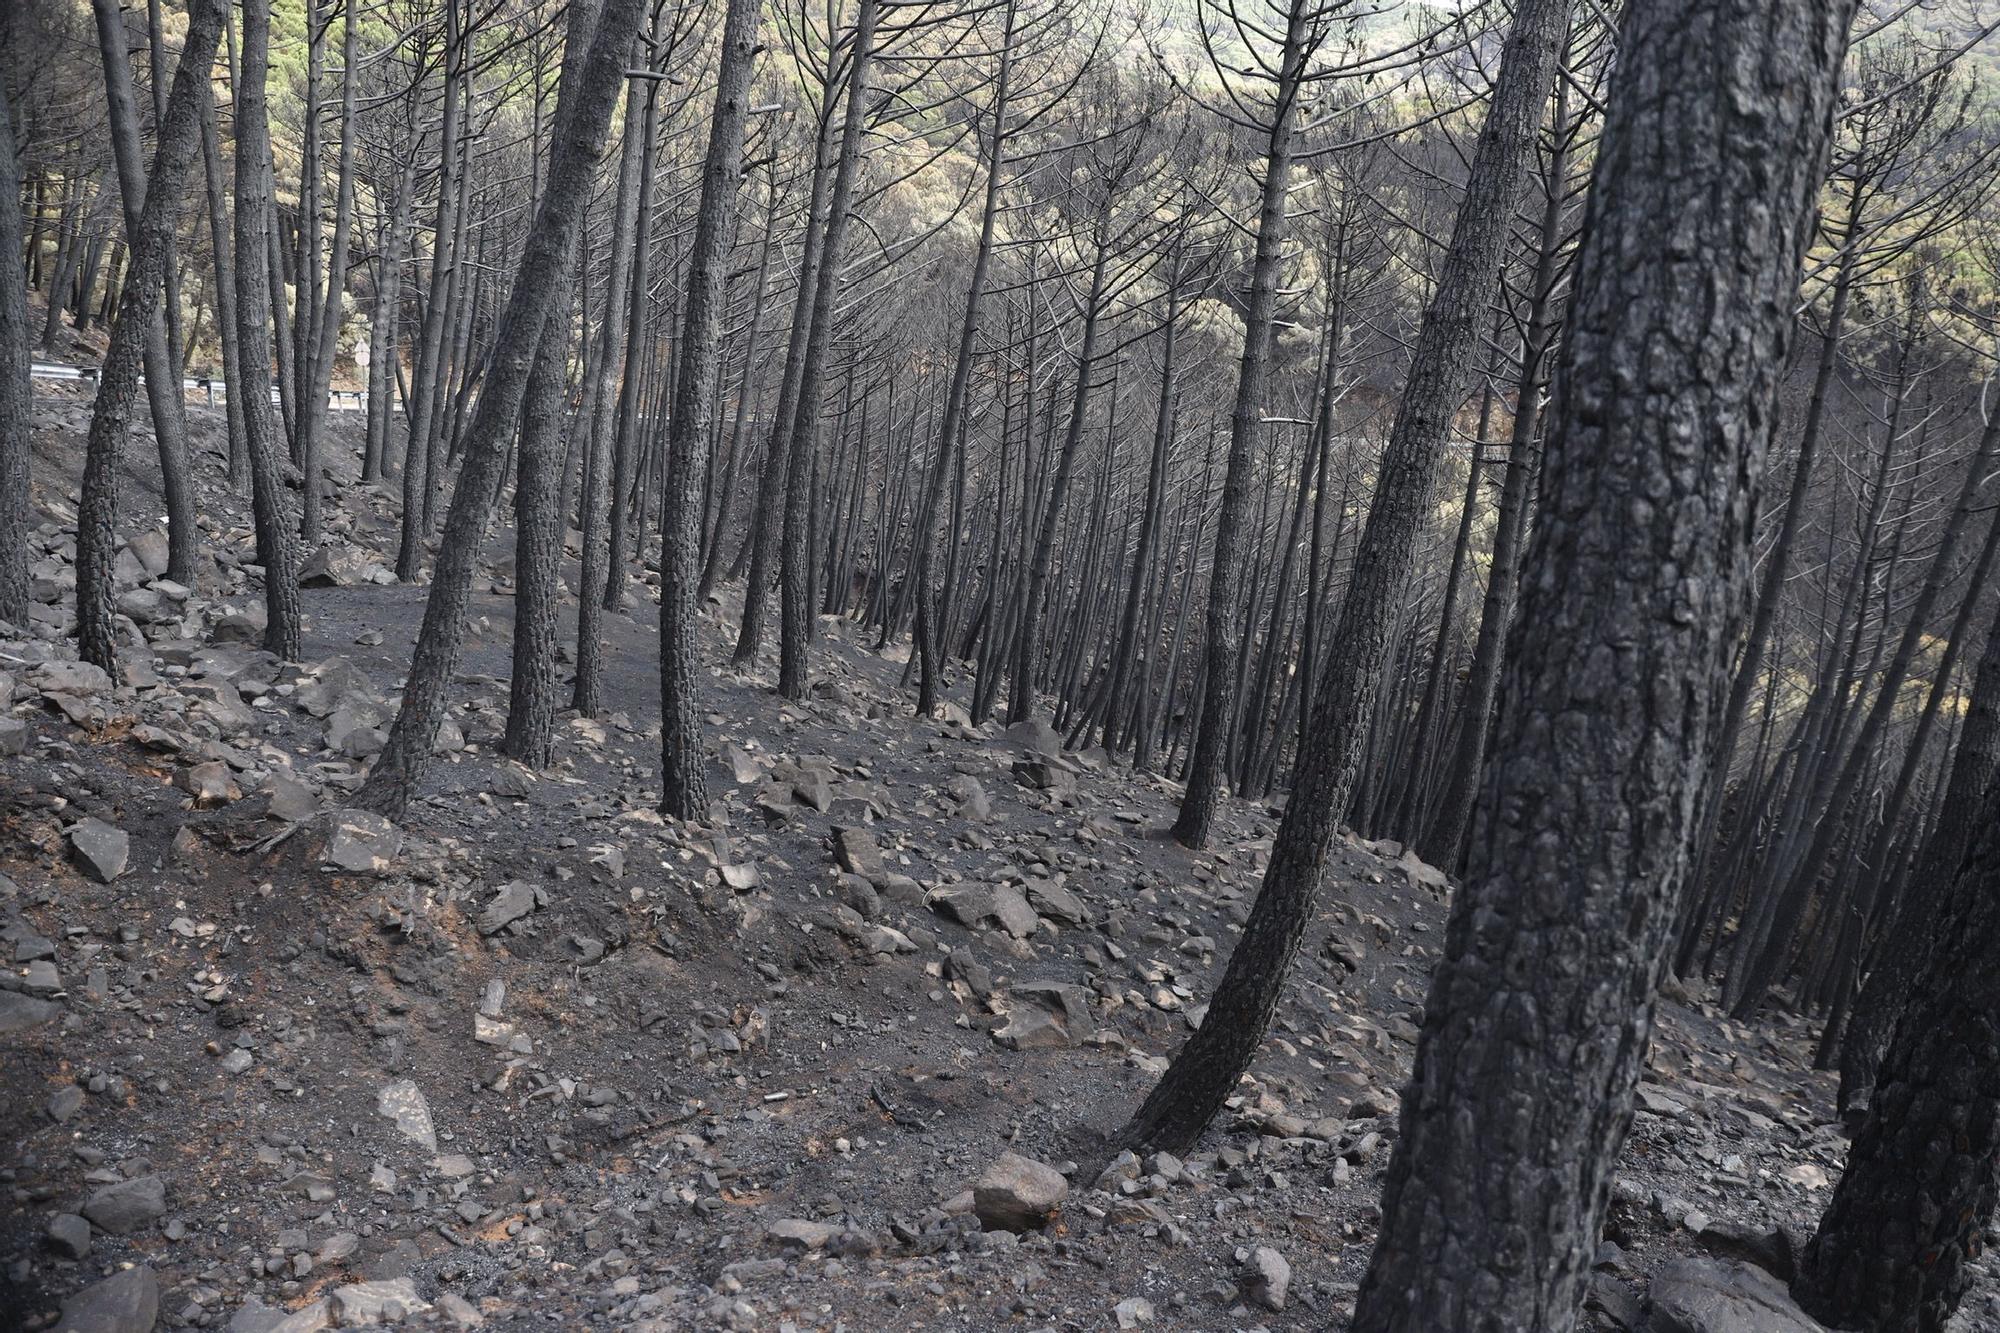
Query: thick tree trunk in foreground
[276, 549]
[137, 326]
[1894, 1249]
[15, 389]
[582, 117]
[1632, 597]
[1206, 1070]
[683, 753]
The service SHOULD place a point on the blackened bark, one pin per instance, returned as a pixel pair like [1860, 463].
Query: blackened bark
[225, 286]
[277, 552]
[1893, 1252]
[582, 118]
[595, 503]
[802, 436]
[538, 547]
[427, 373]
[1632, 597]
[163, 378]
[135, 327]
[15, 389]
[1912, 939]
[1207, 1068]
[1223, 675]
[683, 753]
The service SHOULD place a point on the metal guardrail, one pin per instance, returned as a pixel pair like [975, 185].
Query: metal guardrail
[211, 391]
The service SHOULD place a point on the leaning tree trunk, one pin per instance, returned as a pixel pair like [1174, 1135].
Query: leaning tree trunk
[583, 115]
[15, 389]
[277, 552]
[1916, 931]
[1207, 1068]
[136, 327]
[1540, 1011]
[1895, 1248]
[163, 380]
[683, 753]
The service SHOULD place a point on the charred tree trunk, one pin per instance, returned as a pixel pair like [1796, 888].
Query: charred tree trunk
[590, 89]
[1540, 1010]
[137, 327]
[1208, 1066]
[683, 752]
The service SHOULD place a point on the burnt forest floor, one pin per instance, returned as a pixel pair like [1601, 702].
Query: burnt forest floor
[624, 1049]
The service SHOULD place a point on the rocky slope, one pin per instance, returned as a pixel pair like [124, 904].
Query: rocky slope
[537, 1058]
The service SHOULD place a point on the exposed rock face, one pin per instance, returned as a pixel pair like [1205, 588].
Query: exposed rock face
[125, 1302]
[1718, 1296]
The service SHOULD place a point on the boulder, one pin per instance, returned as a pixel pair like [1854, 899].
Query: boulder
[1046, 1015]
[514, 901]
[125, 1302]
[1719, 1296]
[69, 1235]
[1053, 900]
[128, 1205]
[210, 784]
[360, 842]
[21, 1013]
[980, 906]
[150, 549]
[387, 1302]
[404, 1103]
[854, 848]
[99, 849]
[1045, 773]
[1017, 1193]
[796, 1233]
[1266, 1276]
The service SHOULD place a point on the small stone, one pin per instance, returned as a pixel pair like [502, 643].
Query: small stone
[1132, 1312]
[237, 1061]
[403, 1102]
[799, 1234]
